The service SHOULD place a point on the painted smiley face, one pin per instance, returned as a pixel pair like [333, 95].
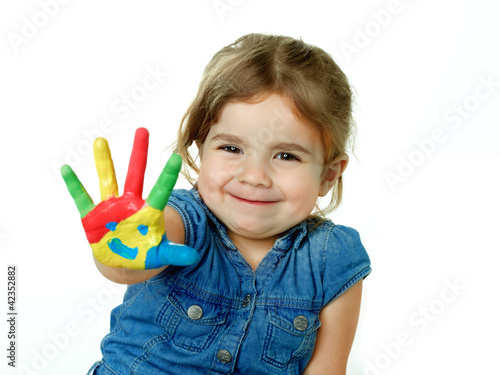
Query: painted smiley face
[116, 245]
[139, 242]
[133, 242]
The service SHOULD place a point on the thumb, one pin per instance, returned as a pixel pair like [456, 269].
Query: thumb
[174, 254]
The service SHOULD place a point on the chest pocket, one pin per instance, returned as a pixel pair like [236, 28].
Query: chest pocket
[191, 321]
[291, 334]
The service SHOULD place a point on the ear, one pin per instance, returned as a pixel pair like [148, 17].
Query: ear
[332, 173]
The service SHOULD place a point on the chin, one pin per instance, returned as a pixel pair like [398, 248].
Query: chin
[254, 231]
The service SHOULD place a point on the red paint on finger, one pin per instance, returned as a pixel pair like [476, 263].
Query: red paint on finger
[137, 166]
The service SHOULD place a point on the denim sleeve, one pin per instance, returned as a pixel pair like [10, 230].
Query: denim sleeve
[187, 204]
[345, 262]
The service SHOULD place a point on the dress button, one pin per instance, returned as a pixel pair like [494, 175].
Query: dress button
[246, 301]
[195, 312]
[300, 323]
[224, 356]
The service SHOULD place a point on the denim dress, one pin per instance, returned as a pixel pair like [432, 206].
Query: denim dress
[220, 316]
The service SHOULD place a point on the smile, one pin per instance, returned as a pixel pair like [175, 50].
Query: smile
[254, 203]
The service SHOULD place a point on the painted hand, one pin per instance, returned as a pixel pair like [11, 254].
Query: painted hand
[124, 231]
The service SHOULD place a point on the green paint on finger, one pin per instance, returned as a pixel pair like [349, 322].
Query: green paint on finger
[83, 202]
[163, 187]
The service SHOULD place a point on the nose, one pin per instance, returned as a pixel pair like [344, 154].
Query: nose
[254, 173]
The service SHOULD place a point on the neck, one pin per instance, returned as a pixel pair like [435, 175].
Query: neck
[252, 249]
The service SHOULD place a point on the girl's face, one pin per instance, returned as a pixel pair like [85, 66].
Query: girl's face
[262, 170]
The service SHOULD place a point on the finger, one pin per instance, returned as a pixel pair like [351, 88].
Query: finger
[177, 255]
[163, 187]
[80, 196]
[137, 164]
[168, 253]
[105, 169]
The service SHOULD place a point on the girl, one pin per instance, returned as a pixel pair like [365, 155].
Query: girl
[273, 288]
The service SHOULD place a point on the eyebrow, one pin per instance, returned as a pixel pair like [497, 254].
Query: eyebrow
[227, 138]
[291, 147]
[287, 146]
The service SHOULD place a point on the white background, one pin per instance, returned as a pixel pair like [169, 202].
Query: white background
[419, 69]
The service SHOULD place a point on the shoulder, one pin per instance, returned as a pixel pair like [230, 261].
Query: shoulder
[187, 203]
[184, 195]
[334, 238]
[343, 260]
[192, 212]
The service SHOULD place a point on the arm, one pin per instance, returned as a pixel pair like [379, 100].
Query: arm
[339, 320]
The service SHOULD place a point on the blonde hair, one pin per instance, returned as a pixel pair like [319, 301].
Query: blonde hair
[256, 65]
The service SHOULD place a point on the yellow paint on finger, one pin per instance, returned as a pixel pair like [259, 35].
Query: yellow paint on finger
[127, 232]
[105, 169]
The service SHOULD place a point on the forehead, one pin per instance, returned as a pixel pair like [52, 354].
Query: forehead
[270, 108]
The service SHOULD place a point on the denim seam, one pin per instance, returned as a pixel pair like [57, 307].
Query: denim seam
[109, 368]
[304, 347]
[143, 357]
[207, 343]
[357, 277]
[159, 279]
[273, 322]
[213, 298]
[230, 257]
[311, 305]
[94, 367]
[267, 342]
[163, 315]
[188, 227]
[219, 319]
[323, 261]
[235, 350]
[223, 239]
[218, 224]
[278, 257]
[125, 306]
[285, 325]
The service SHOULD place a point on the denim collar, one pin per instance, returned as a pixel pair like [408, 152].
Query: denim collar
[289, 240]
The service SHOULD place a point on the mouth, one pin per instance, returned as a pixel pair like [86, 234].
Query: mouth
[254, 203]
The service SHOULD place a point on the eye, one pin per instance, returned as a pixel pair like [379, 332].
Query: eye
[231, 149]
[143, 229]
[112, 225]
[287, 156]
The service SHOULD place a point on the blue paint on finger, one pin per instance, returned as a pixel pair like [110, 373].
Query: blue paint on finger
[170, 253]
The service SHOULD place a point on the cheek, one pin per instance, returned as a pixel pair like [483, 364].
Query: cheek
[302, 189]
[214, 175]
[209, 182]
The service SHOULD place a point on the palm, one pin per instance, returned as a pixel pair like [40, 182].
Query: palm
[123, 231]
